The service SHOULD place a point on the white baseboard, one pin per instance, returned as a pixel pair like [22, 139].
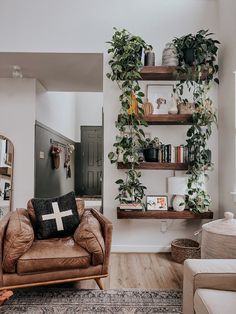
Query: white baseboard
[139, 248]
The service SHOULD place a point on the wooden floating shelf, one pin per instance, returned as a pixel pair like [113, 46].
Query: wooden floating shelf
[158, 73]
[162, 73]
[6, 171]
[168, 119]
[156, 166]
[162, 214]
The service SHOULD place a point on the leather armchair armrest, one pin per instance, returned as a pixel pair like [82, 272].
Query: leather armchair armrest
[107, 232]
[207, 273]
[3, 228]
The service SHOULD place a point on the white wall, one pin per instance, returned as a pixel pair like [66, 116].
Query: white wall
[85, 26]
[17, 116]
[185, 17]
[66, 112]
[88, 111]
[57, 110]
[227, 167]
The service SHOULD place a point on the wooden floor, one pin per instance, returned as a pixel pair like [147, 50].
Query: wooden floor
[141, 270]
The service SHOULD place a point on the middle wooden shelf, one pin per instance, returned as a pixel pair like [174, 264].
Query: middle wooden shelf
[169, 119]
[156, 166]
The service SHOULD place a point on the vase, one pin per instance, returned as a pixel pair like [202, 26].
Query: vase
[147, 108]
[173, 106]
[169, 55]
[149, 58]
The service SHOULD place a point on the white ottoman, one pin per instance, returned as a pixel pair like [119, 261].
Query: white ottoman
[219, 238]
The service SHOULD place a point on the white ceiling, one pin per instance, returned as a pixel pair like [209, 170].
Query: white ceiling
[66, 72]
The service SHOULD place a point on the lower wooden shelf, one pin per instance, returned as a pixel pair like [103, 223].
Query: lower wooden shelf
[156, 166]
[162, 214]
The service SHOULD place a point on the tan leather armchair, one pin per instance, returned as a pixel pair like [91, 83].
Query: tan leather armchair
[57, 260]
[209, 286]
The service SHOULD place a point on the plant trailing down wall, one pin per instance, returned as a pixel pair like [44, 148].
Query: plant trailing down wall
[126, 52]
[197, 71]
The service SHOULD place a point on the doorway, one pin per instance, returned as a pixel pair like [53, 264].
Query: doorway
[91, 161]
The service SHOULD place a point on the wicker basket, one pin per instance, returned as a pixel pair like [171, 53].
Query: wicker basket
[181, 249]
[186, 108]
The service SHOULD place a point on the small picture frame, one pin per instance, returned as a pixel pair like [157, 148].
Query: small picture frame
[157, 202]
[160, 97]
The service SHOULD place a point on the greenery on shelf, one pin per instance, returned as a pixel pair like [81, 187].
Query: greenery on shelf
[126, 52]
[151, 143]
[198, 79]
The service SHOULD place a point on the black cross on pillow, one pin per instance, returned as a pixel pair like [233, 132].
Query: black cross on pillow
[55, 217]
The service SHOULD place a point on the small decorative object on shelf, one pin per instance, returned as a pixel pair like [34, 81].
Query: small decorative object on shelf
[149, 58]
[160, 95]
[157, 202]
[186, 108]
[131, 206]
[169, 55]
[177, 186]
[147, 107]
[173, 109]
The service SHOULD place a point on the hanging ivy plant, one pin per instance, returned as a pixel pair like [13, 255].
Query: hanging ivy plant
[197, 75]
[126, 53]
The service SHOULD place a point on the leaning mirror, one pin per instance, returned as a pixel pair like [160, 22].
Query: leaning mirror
[6, 172]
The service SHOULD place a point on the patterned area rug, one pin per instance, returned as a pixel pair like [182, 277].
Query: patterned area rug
[68, 300]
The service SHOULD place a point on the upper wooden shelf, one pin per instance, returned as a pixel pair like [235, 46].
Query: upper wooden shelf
[162, 73]
[159, 73]
[156, 166]
[169, 119]
[161, 214]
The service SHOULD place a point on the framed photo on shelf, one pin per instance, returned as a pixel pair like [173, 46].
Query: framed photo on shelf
[160, 97]
[157, 202]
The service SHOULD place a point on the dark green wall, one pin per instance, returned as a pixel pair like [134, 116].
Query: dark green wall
[51, 182]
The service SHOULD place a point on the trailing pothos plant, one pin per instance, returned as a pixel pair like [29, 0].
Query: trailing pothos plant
[198, 79]
[126, 52]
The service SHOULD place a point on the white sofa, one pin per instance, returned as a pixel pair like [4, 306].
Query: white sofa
[209, 286]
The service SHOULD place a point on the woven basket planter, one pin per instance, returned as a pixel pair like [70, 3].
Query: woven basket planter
[181, 249]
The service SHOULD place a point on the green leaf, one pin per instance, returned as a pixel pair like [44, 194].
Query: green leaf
[120, 181]
[111, 155]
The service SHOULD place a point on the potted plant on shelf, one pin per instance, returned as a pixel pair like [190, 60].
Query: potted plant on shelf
[131, 191]
[126, 50]
[197, 77]
[151, 149]
[199, 49]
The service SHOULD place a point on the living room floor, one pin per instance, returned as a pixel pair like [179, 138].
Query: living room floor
[141, 270]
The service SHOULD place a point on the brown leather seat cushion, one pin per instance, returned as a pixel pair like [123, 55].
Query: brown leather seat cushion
[52, 255]
[18, 239]
[89, 235]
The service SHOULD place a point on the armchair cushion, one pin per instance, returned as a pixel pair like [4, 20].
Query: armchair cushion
[18, 239]
[214, 301]
[53, 255]
[89, 236]
[55, 217]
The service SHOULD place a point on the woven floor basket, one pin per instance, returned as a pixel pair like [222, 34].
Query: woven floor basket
[181, 249]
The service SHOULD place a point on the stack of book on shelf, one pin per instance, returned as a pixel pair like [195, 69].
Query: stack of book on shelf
[173, 154]
[131, 207]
